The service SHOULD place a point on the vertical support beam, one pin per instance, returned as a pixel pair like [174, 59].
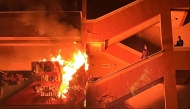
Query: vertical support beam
[166, 30]
[84, 6]
[83, 19]
[170, 91]
[91, 98]
[1, 92]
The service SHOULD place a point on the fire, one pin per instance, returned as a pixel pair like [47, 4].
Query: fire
[69, 68]
[58, 58]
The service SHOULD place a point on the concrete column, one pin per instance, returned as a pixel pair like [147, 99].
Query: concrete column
[84, 6]
[170, 91]
[83, 22]
[91, 98]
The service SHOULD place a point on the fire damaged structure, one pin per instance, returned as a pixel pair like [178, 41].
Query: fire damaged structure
[107, 71]
[45, 88]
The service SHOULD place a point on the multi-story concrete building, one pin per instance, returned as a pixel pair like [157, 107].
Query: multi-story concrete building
[112, 33]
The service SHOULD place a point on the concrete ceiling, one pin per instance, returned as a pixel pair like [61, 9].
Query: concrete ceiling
[177, 18]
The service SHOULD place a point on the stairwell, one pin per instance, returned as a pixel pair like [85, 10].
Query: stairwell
[113, 28]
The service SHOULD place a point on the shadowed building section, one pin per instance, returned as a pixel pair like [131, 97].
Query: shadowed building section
[124, 53]
[182, 76]
[187, 18]
[98, 8]
[137, 43]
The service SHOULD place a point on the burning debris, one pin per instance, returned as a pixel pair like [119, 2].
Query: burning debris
[60, 79]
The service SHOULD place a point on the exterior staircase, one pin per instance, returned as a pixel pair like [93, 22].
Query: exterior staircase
[125, 83]
[139, 76]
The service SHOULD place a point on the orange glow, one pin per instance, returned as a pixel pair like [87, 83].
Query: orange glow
[74, 42]
[43, 60]
[68, 69]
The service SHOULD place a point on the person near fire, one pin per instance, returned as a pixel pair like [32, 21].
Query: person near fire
[179, 42]
[145, 52]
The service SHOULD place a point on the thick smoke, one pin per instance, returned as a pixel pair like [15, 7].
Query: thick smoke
[47, 24]
[45, 16]
[37, 18]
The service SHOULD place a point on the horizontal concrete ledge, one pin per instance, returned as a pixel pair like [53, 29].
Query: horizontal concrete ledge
[30, 44]
[38, 41]
[181, 48]
[40, 38]
[43, 107]
[16, 66]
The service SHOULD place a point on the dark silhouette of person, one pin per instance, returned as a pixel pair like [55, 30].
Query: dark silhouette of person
[179, 42]
[145, 52]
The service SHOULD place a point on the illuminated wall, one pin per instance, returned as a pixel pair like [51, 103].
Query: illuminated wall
[182, 31]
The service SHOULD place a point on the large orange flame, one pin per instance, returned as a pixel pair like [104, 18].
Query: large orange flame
[69, 68]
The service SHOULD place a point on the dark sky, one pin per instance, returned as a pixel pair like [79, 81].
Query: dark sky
[38, 5]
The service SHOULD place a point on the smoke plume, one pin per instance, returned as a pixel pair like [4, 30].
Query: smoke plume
[45, 16]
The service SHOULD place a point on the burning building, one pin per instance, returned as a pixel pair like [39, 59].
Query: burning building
[90, 57]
